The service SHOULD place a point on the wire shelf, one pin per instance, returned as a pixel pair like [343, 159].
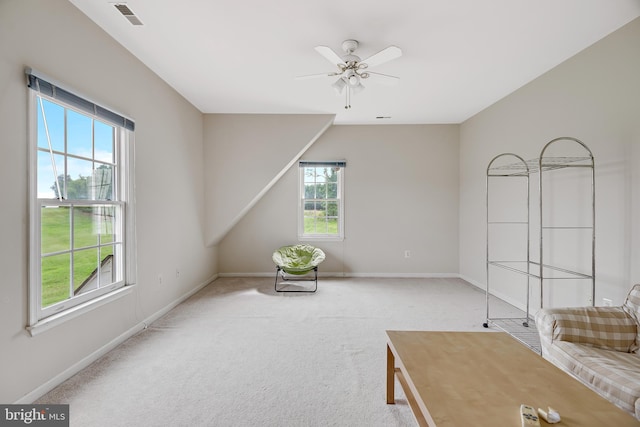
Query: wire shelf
[514, 327]
[536, 165]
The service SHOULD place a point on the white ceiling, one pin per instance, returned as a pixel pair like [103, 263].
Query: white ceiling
[459, 56]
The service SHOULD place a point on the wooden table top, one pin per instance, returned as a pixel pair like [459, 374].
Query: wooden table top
[482, 378]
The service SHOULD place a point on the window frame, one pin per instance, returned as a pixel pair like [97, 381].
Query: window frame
[302, 200]
[41, 319]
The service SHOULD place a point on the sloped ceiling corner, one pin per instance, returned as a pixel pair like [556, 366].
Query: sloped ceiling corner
[245, 155]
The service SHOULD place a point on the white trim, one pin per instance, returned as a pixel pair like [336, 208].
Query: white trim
[85, 362]
[42, 318]
[318, 237]
[473, 282]
[128, 174]
[75, 311]
[301, 202]
[406, 275]
[34, 301]
[371, 275]
[498, 295]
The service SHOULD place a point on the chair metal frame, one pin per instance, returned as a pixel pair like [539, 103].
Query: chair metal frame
[282, 273]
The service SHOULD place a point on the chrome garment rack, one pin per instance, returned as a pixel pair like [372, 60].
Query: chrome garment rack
[527, 261]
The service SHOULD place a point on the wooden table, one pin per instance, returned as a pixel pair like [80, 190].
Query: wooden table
[481, 379]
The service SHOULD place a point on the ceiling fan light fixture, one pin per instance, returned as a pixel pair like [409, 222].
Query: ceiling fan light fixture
[357, 88]
[352, 78]
[338, 86]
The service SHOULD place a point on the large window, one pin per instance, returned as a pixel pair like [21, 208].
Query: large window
[321, 200]
[80, 185]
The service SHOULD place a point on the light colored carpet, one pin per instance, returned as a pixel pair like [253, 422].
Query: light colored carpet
[238, 354]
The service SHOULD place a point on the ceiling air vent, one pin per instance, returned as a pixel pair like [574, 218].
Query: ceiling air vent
[128, 13]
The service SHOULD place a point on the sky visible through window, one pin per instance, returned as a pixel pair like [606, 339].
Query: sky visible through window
[89, 143]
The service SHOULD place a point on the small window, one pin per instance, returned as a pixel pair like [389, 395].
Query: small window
[321, 200]
[80, 211]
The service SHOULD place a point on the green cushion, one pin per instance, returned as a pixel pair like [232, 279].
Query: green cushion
[298, 259]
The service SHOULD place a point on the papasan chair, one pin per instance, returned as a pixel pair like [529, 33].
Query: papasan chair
[295, 261]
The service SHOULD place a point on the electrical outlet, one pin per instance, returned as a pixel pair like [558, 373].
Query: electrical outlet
[607, 302]
[160, 279]
[407, 254]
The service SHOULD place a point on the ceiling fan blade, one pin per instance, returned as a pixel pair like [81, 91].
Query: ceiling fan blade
[314, 76]
[331, 56]
[383, 78]
[387, 54]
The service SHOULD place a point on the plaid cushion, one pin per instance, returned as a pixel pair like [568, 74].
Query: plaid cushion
[632, 306]
[609, 328]
[614, 375]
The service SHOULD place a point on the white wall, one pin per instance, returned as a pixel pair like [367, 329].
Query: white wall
[401, 193]
[594, 96]
[53, 37]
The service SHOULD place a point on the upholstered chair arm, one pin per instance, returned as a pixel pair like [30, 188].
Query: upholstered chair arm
[609, 328]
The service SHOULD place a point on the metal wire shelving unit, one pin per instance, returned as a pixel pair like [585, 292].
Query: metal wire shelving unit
[511, 166]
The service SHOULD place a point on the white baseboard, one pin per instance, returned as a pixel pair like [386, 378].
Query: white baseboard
[472, 282]
[271, 274]
[404, 275]
[368, 275]
[499, 295]
[88, 360]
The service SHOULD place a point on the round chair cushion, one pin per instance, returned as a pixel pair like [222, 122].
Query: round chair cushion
[298, 259]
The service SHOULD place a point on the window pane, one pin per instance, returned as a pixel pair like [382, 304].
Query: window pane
[332, 190]
[46, 177]
[309, 191]
[83, 229]
[101, 186]
[309, 225]
[321, 190]
[107, 266]
[85, 264]
[310, 217]
[55, 279]
[332, 226]
[309, 175]
[321, 175]
[54, 115]
[103, 140]
[55, 229]
[104, 223]
[79, 134]
[321, 226]
[78, 178]
[332, 209]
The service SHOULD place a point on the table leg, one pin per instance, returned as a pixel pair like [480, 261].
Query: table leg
[390, 376]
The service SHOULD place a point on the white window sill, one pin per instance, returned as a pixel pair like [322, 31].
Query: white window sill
[321, 238]
[59, 318]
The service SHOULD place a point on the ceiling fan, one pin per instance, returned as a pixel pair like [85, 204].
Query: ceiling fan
[352, 70]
